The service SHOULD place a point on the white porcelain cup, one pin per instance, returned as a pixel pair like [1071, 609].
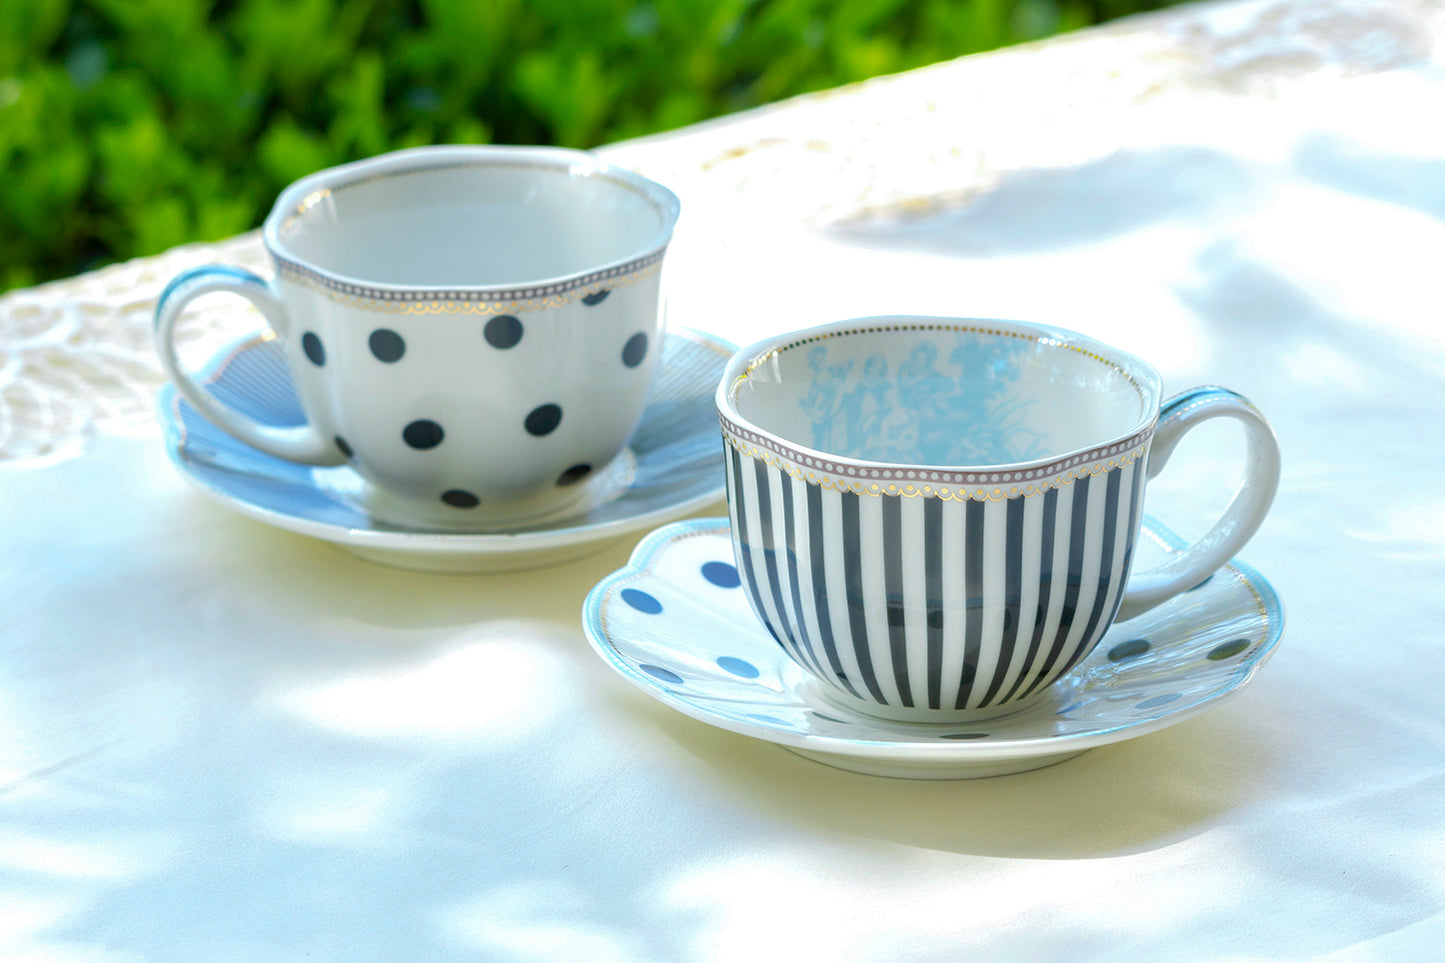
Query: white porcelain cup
[936, 516]
[472, 329]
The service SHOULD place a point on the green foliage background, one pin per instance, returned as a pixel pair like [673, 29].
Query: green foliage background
[131, 126]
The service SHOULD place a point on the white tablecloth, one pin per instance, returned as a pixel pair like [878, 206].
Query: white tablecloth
[220, 741]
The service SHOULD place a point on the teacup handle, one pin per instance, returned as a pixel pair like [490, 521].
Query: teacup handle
[1244, 514]
[301, 443]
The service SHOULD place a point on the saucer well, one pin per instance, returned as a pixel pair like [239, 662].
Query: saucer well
[675, 623]
[671, 468]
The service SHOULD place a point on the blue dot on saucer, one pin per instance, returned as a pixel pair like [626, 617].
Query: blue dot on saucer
[642, 602]
[1157, 701]
[721, 574]
[658, 672]
[1227, 650]
[738, 667]
[1132, 649]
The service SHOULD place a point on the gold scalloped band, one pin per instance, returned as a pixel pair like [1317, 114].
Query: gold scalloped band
[947, 484]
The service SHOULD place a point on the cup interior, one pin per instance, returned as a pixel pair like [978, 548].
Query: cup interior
[972, 394]
[458, 217]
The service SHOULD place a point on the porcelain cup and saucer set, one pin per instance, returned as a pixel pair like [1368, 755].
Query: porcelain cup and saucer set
[936, 561]
[465, 367]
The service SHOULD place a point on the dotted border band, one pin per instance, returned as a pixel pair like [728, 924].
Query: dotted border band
[913, 481]
[462, 300]
[472, 302]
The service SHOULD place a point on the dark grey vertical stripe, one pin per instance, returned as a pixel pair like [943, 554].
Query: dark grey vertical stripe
[817, 555]
[806, 644]
[1046, 578]
[853, 581]
[732, 494]
[1012, 594]
[1106, 568]
[933, 594]
[748, 561]
[893, 589]
[1077, 531]
[767, 533]
[973, 597]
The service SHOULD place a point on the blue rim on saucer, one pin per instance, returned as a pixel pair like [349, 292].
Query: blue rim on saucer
[671, 468]
[675, 623]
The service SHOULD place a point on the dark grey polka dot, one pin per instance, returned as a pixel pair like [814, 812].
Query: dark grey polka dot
[460, 498]
[1131, 649]
[635, 350]
[315, 350]
[423, 434]
[595, 298]
[574, 475]
[343, 447]
[503, 332]
[543, 420]
[387, 345]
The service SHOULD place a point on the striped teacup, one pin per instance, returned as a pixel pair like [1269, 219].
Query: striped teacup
[936, 516]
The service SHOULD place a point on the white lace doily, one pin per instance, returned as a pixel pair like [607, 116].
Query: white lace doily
[76, 355]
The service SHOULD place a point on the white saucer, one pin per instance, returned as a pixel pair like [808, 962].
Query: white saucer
[672, 467]
[675, 623]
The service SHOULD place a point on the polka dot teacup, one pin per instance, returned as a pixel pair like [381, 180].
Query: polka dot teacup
[936, 516]
[472, 329]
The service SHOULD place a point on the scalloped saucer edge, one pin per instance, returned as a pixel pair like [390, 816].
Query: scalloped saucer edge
[675, 623]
